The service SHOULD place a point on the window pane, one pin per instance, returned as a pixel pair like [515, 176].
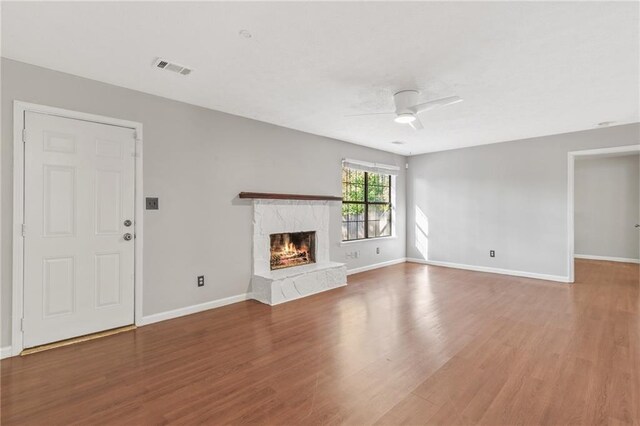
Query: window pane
[352, 212]
[353, 221]
[352, 185]
[379, 220]
[378, 187]
[353, 230]
[356, 192]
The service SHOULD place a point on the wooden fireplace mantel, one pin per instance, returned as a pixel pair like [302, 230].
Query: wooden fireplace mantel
[272, 196]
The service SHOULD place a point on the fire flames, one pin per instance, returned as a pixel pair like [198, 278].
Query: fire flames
[291, 249]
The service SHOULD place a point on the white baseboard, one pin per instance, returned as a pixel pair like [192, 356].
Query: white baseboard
[188, 310]
[558, 278]
[608, 258]
[376, 266]
[5, 352]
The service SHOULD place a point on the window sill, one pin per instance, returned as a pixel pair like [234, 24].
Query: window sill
[364, 240]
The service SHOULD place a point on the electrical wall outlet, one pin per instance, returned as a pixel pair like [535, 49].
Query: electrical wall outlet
[352, 254]
[152, 203]
[200, 280]
[492, 253]
[377, 250]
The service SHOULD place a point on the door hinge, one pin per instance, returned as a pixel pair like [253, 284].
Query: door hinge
[24, 230]
[24, 135]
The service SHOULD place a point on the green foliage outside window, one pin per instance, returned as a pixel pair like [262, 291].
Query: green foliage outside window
[366, 204]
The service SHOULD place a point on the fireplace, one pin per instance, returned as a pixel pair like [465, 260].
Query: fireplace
[292, 249]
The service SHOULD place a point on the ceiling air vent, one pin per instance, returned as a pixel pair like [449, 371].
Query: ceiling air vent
[171, 66]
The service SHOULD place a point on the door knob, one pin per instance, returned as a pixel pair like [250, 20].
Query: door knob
[127, 222]
[637, 225]
[128, 236]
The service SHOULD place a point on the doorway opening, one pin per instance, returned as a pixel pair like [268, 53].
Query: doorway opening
[603, 205]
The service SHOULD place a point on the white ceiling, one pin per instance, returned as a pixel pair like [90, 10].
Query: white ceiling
[525, 69]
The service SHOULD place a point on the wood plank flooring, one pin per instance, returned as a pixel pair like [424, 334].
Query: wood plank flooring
[406, 344]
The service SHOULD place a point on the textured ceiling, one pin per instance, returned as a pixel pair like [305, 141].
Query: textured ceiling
[525, 69]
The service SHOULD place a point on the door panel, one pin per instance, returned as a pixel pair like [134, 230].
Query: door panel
[59, 286]
[107, 279]
[107, 202]
[79, 190]
[108, 149]
[59, 190]
[59, 142]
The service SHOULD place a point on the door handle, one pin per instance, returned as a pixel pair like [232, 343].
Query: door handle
[637, 225]
[128, 237]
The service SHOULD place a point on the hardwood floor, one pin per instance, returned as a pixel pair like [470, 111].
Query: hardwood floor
[407, 344]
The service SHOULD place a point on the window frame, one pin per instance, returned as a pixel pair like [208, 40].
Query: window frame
[366, 203]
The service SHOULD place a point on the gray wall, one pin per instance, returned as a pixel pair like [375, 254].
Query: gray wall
[509, 197]
[607, 206]
[196, 161]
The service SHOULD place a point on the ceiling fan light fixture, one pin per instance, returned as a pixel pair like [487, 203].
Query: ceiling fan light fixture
[405, 118]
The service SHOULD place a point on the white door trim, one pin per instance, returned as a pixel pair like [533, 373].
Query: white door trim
[570, 193]
[19, 110]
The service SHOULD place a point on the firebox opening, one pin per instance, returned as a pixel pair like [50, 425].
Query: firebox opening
[292, 249]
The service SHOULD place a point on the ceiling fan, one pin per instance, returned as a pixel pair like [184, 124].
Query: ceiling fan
[407, 107]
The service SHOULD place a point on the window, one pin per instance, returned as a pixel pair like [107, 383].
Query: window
[366, 204]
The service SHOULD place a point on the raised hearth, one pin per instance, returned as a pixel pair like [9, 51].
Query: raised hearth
[284, 285]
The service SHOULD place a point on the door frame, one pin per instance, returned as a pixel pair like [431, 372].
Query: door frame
[571, 194]
[19, 111]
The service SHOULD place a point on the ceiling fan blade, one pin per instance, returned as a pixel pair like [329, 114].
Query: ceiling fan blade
[416, 124]
[435, 104]
[370, 113]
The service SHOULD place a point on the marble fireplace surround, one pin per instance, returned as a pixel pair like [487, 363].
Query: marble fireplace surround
[274, 216]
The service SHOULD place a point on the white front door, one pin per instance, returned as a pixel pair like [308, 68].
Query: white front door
[78, 260]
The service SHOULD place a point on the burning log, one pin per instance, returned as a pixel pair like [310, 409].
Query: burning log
[292, 249]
